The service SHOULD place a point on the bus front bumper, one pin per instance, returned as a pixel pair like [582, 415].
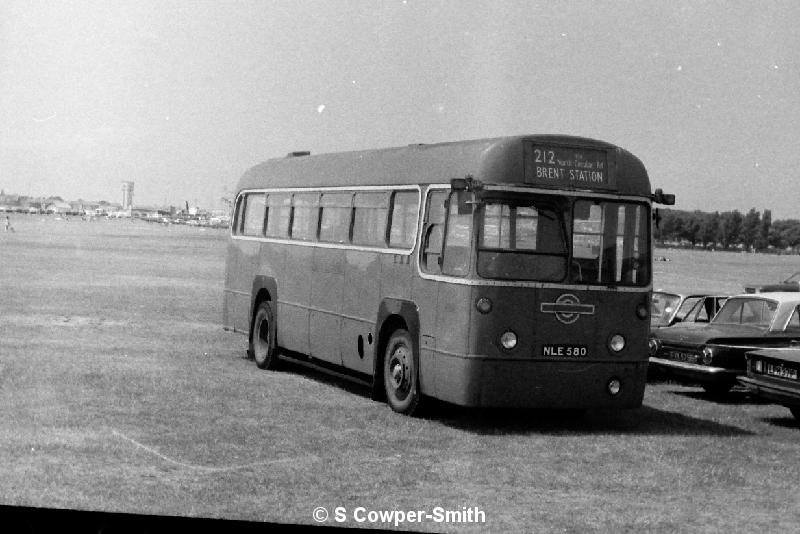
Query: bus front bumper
[490, 382]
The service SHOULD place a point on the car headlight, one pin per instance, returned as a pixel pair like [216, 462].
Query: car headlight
[707, 357]
[654, 345]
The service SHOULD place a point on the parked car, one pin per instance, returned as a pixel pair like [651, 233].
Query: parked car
[667, 308]
[713, 354]
[774, 374]
[790, 284]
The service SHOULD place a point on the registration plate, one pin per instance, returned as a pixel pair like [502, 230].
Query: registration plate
[682, 356]
[781, 371]
[565, 351]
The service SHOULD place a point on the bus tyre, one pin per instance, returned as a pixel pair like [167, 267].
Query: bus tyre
[264, 337]
[400, 373]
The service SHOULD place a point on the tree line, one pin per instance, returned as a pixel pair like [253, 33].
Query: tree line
[753, 230]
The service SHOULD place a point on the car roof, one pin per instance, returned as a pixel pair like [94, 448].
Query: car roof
[687, 294]
[781, 297]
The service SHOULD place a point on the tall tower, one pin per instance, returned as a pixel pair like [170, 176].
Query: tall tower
[127, 195]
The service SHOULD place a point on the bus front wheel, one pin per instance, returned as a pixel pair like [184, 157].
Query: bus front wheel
[400, 373]
[264, 337]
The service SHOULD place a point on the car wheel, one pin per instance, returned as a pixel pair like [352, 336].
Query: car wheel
[400, 373]
[263, 344]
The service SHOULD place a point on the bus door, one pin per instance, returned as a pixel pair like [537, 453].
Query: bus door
[444, 304]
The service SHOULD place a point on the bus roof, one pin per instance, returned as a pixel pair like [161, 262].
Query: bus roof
[501, 160]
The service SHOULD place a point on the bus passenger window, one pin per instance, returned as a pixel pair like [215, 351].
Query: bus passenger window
[369, 219]
[334, 226]
[458, 242]
[404, 219]
[433, 234]
[304, 216]
[254, 211]
[280, 209]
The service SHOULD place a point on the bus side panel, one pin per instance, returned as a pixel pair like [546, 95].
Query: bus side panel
[453, 310]
[240, 267]
[425, 294]
[396, 275]
[359, 307]
[327, 288]
[294, 290]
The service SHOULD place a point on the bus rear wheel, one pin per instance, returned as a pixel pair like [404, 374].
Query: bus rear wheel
[263, 344]
[400, 373]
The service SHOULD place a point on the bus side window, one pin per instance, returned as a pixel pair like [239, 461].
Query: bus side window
[459, 238]
[371, 211]
[433, 233]
[404, 219]
[305, 216]
[280, 209]
[334, 226]
[254, 208]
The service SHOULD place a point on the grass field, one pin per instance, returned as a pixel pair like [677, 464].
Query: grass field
[119, 391]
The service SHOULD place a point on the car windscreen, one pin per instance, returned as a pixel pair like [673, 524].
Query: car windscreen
[662, 307]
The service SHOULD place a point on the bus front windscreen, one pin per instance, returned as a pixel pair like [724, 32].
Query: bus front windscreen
[522, 241]
[526, 239]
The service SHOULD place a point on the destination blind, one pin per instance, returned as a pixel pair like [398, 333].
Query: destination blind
[567, 167]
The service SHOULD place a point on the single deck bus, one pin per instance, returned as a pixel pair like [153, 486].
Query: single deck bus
[508, 272]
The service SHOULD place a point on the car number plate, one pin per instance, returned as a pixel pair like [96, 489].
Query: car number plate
[781, 371]
[565, 351]
[682, 356]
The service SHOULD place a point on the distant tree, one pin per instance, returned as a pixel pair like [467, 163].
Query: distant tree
[671, 225]
[785, 233]
[691, 227]
[710, 229]
[751, 228]
[763, 235]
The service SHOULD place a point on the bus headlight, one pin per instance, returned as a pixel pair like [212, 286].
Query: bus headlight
[508, 340]
[654, 345]
[616, 343]
[484, 305]
[641, 311]
[614, 386]
[708, 356]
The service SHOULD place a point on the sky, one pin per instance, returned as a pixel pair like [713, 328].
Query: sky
[181, 97]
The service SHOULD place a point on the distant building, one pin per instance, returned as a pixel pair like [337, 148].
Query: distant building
[59, 207]
[127, 195]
